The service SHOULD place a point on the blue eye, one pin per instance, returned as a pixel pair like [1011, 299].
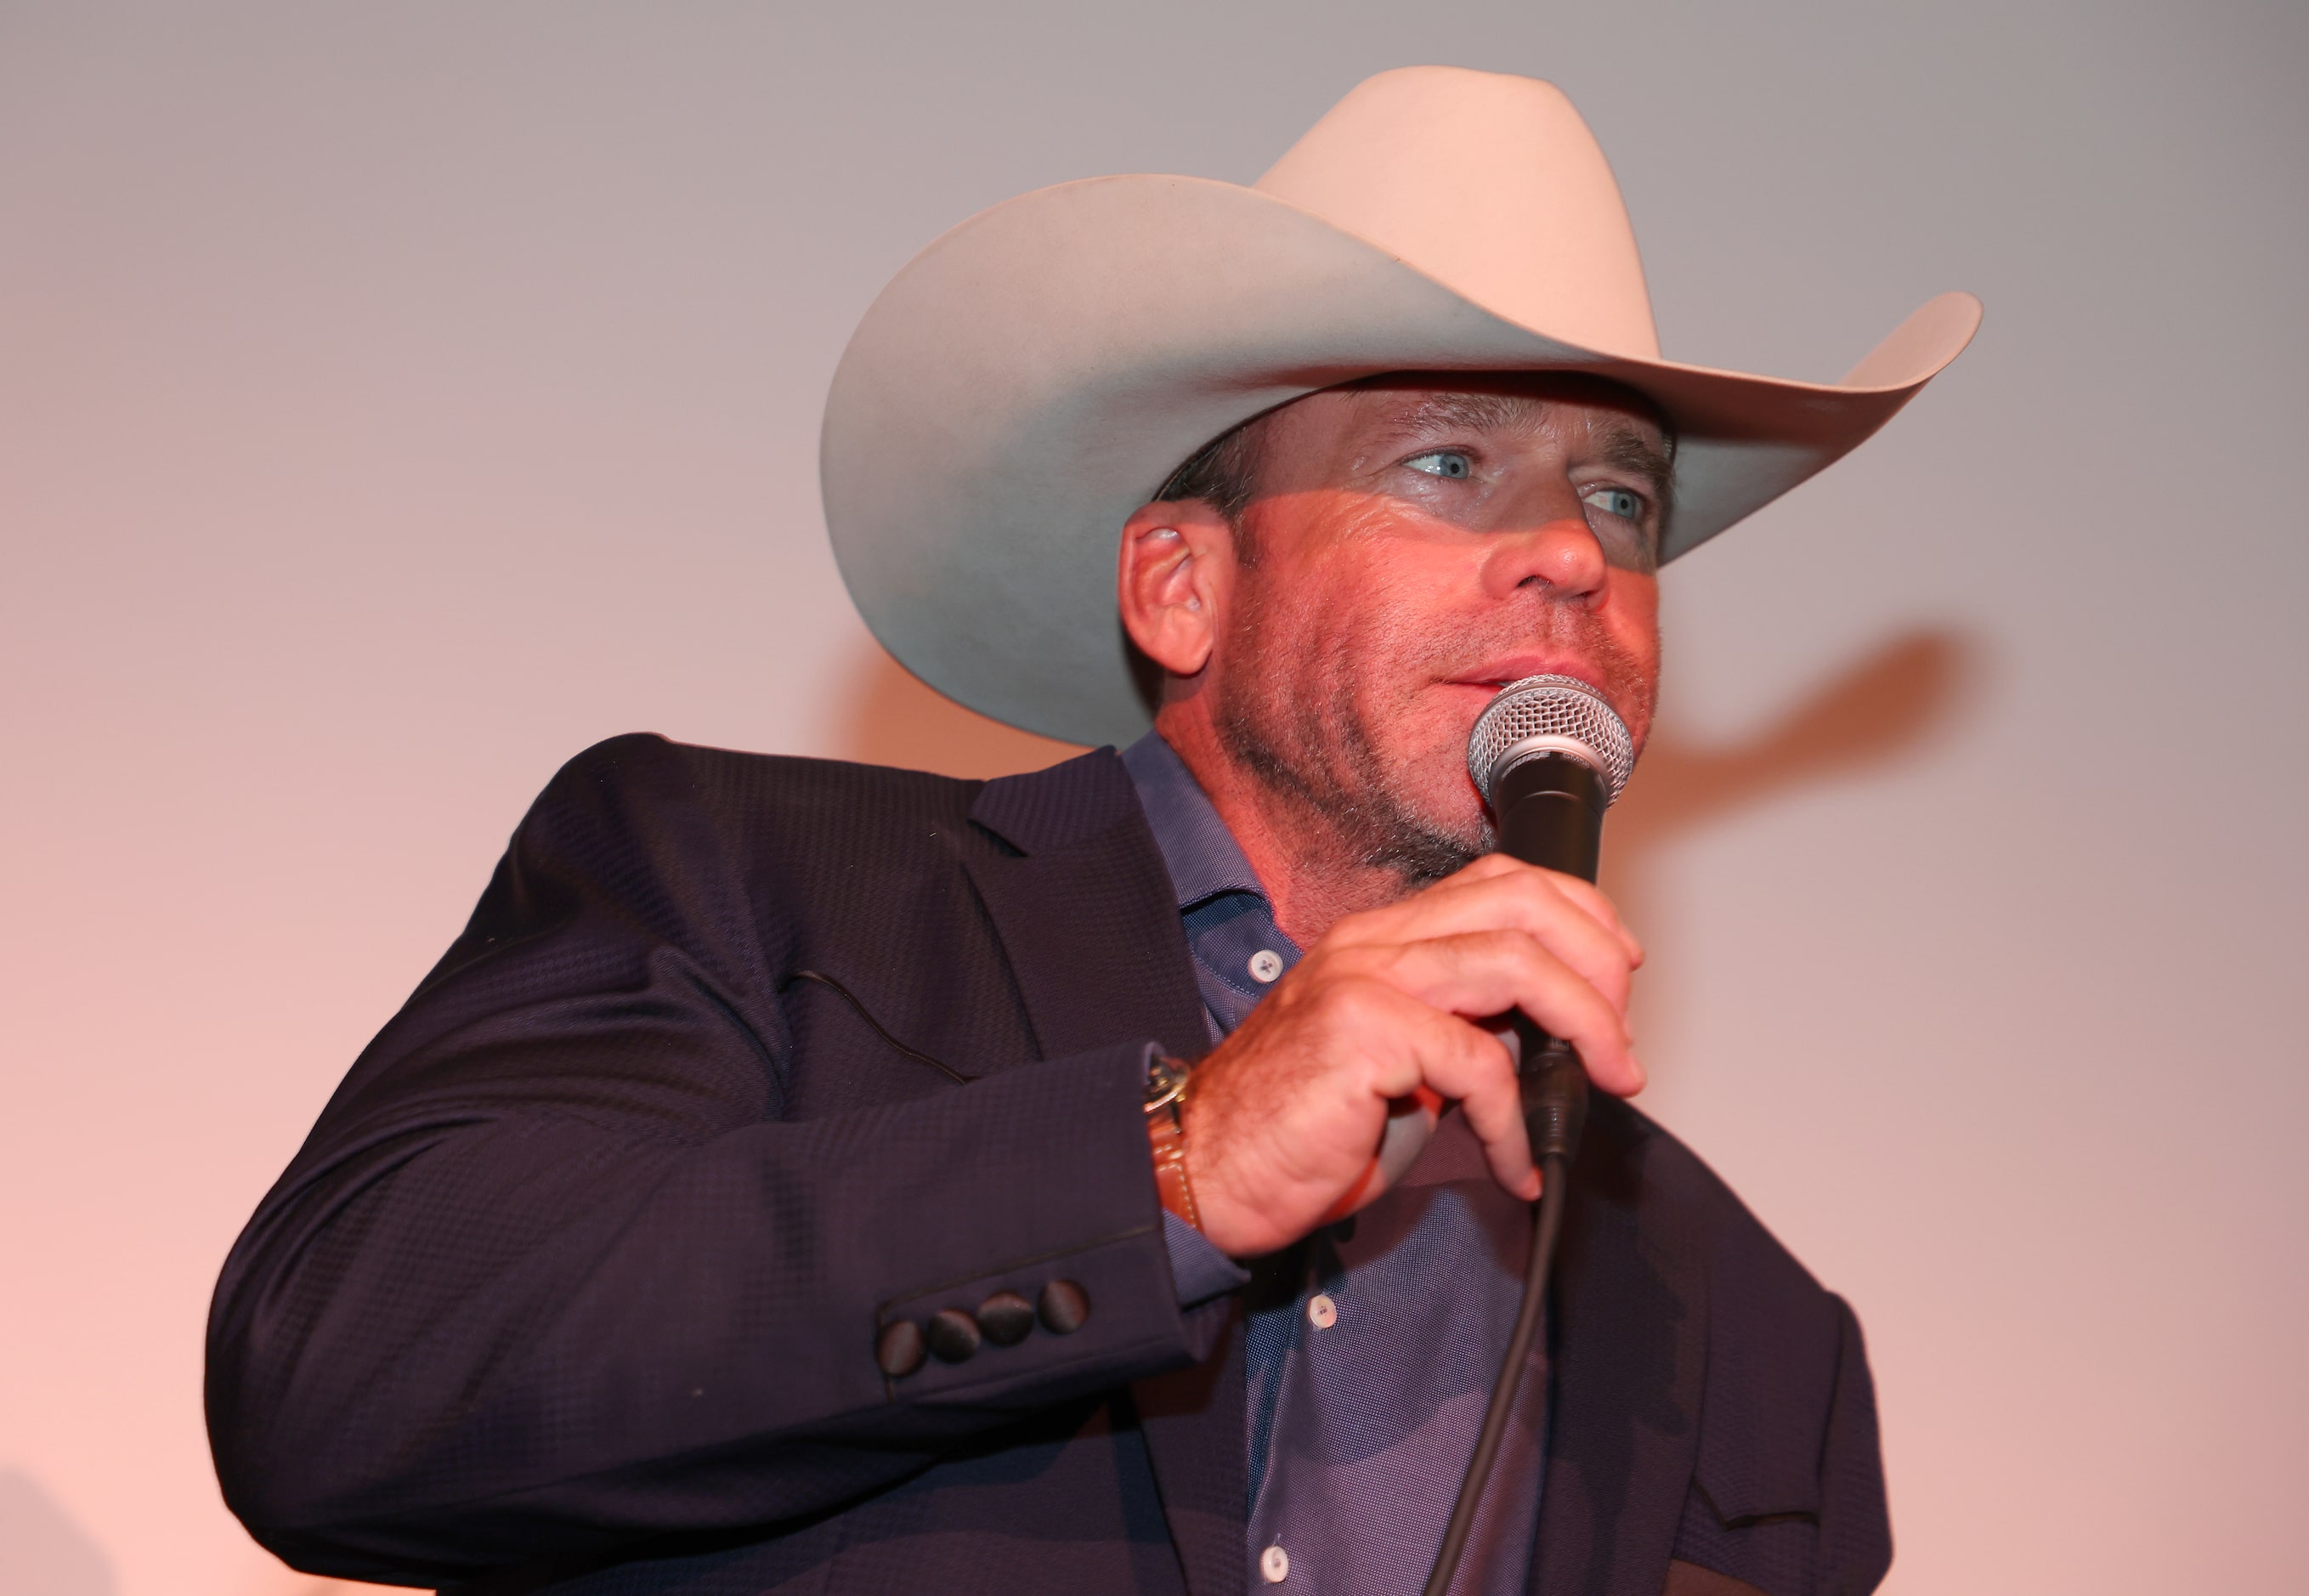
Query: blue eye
[1442, 462]
[1624, 503]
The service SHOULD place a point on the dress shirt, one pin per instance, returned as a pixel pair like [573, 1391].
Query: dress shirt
[1372, 1346]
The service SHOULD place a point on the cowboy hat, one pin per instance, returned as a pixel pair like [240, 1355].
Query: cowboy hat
[1035, 374]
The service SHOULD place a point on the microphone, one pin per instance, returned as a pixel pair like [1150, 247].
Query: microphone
[1549, 756]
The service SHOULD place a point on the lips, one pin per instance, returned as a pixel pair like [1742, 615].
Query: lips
[1495, 674]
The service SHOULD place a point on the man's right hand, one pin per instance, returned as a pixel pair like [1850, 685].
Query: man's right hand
[1283, 1122]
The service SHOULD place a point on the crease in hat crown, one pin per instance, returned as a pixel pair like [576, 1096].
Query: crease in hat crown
[1543, 241]
[1029, 378]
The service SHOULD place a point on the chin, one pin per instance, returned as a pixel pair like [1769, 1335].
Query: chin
[1446, 803]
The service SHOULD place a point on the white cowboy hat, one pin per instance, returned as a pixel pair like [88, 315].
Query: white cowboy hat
[1035, 374]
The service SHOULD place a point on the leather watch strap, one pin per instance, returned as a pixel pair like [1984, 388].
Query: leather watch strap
[1166, 1139]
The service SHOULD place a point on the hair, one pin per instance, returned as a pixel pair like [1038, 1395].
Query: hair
[1224, 473]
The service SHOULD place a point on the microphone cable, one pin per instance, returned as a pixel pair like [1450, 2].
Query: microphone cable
[1555, 1112]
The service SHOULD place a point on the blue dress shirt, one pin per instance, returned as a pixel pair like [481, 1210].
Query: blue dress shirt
[1371, 1346]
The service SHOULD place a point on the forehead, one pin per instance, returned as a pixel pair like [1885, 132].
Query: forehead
[1351, 425]
[1510, 403]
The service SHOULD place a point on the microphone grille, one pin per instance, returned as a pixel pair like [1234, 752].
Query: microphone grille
[1549, 715]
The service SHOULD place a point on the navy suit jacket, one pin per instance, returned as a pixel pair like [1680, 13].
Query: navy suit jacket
[575, 1285]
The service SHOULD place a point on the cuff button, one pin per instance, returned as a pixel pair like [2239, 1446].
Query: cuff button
[898, 1349]
[1063, 1308]
[953, 1335]
[1005, 1318]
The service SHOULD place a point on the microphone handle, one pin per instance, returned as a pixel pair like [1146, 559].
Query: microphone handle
[1550, 810]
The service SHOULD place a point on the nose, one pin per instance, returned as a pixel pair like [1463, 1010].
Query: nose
[1561, 555]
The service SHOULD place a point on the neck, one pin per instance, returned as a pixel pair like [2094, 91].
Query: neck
[1312, 875]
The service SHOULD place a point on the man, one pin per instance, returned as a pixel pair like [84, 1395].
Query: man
[792, 1181]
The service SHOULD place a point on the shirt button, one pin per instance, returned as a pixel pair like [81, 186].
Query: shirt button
[1275, 1565]
[1322, 1313]
[1266, 965]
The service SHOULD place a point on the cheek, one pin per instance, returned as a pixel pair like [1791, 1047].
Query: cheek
[1332, 587]
[1632, 610]
[1631, 619]
[1382, 613]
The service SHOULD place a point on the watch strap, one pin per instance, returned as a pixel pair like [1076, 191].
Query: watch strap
[1167, 1142]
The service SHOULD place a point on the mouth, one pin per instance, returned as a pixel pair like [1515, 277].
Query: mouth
[1492, 674]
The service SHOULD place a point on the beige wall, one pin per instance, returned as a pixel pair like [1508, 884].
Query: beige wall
[394, 400]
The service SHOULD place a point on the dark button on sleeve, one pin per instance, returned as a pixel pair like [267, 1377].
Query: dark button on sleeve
[1064, 1306]
[1005, 1318]
[953, 1335]
[899, 1349]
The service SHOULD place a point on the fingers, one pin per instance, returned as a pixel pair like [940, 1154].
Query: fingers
[1477, 974]
[1289, 1110]
[1460, 1061]
[1572, 919]
[1584, 896]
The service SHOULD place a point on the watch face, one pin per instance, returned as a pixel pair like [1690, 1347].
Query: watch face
[1165, 1078]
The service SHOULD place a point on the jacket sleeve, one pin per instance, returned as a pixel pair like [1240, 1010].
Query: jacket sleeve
[1856, 1526]
[1788, 1495]
[556, 1272]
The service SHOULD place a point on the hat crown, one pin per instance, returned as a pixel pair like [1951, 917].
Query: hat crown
[1492, 185]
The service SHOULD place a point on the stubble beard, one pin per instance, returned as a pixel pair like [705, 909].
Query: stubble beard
[1317, 757]
[1290, 718]
[1289, 715]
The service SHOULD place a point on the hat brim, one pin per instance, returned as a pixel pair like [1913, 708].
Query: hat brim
[1030, 379]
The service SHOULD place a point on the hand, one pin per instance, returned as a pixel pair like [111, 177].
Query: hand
[1283, 1123]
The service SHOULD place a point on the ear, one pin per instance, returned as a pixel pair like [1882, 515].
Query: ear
[1174, 577]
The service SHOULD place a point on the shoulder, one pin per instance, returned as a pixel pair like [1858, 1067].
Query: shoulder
[643, 771]
[1683, 1207]
[1766, 1314]
[1787, 1446]
[1088, 791]
[715, 799]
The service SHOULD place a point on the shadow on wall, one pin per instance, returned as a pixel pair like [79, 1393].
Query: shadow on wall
[1875, 710]
[42, 1552]
[1875, 713]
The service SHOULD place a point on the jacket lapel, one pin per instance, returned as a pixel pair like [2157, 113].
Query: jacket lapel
[1629, 1329]
[1084, 912]
[1083, 906]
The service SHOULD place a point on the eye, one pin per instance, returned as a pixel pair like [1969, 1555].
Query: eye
[1442, 462]
[1622, 502]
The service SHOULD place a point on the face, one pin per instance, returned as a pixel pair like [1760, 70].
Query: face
[1411, 549]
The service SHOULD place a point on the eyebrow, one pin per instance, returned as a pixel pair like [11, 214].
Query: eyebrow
[1628, 450]
[1477, 412]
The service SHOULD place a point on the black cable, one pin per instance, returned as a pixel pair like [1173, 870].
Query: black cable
[1546, 1226]
[1555, 1111]
[860, 1009]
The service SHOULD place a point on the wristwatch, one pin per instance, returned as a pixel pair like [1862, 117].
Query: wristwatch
[1166, 1137]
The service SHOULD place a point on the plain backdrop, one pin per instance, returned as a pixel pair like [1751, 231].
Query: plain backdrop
[396, 399]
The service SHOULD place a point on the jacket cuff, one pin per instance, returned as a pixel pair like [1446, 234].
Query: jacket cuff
[1199, 1269]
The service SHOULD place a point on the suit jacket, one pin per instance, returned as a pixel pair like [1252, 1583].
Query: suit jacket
[576, 1284]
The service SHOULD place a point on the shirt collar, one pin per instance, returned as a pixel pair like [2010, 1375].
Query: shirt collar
[1201, 854]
